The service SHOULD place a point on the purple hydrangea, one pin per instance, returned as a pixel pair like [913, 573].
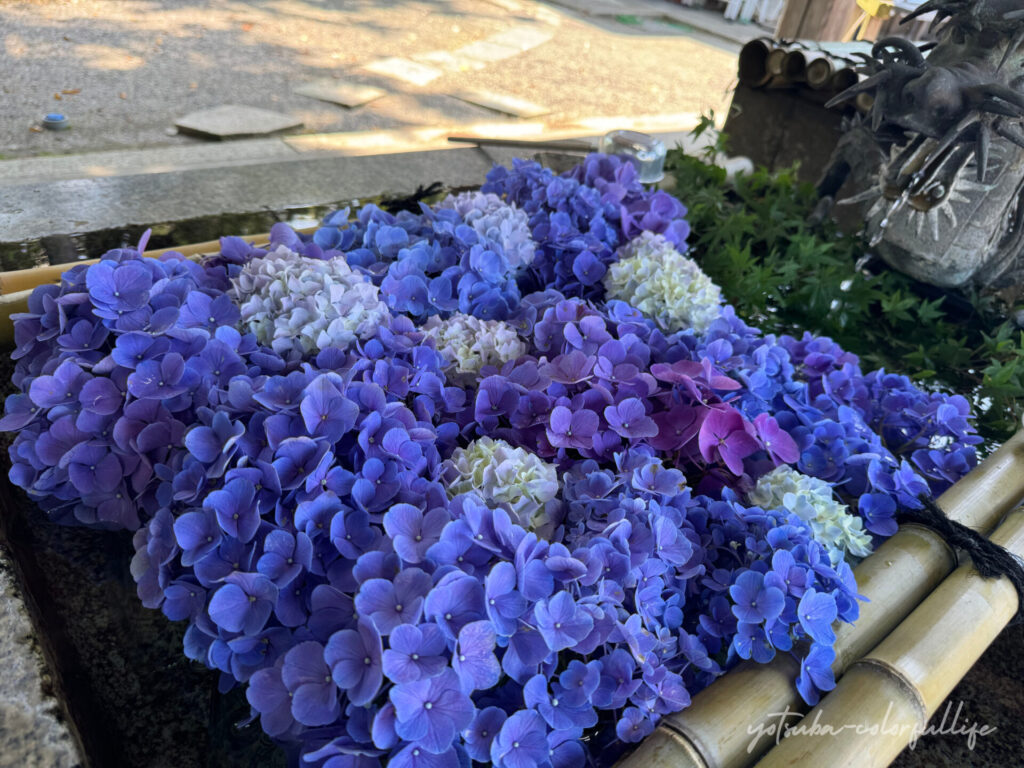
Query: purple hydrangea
[434, 496]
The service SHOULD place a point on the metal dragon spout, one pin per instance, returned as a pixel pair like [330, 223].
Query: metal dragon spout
[948, 116]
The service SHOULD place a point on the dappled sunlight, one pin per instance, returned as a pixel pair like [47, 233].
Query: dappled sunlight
[97, 171]
[433, 108]
[135, 70]
[107, 57]
[15, 46]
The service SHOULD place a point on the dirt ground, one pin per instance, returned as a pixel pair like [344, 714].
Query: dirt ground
[122, 72]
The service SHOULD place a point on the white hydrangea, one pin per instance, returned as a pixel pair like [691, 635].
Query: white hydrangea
[499, 221]
[469, 343]
[292, 302]
[811, 499]
[653, 277]
[516, 479]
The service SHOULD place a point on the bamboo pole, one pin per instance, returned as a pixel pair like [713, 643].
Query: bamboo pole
[718, 724]
[18, 280]
[26, 279]
[886, 699]
[17, 285]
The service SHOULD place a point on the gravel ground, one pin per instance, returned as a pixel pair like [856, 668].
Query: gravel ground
[125, 71]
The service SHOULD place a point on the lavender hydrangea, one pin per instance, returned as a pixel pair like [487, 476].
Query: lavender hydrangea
[499, 221]
[297, 304]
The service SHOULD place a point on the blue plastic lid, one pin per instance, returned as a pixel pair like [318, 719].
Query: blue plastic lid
[55, 117]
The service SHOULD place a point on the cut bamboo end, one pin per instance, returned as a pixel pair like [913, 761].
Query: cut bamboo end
[844, 79]
[864, 102]
[896, 578]
[794, 67]
[820, 71]
[886, 699]
[775, 60]
[753, 62]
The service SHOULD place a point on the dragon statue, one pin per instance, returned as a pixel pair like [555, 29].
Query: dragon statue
[946, 124]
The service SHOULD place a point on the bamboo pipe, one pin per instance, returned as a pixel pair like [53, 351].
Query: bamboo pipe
[754, 63]
[904, 681]
[843, 79]
[774, 61]
[820, 70]
[794, 67]
[895, 578]
[864, 102]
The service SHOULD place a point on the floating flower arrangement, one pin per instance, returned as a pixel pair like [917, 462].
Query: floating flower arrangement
[501, 481]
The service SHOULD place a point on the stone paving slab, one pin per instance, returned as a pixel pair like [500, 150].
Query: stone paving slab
[33, 732]
[486, 51]
[449, 61]
[502, 102]
[524, 38]
[612, 7]
[231, 121]
[403, 69]
[345, 94]
[306, 170]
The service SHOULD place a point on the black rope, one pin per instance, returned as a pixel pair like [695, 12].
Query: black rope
[990, 560]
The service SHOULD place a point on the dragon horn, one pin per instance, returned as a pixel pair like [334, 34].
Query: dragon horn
[864, 85]
[931, 5]
[1000, 108]
[904, 46]
[1010, 134]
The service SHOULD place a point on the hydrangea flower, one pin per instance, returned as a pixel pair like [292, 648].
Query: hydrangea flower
[512, 477]
[303, 305]
[499, 221]
[518, 542]
[811, 499]
[469, 344]
[666, 286]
